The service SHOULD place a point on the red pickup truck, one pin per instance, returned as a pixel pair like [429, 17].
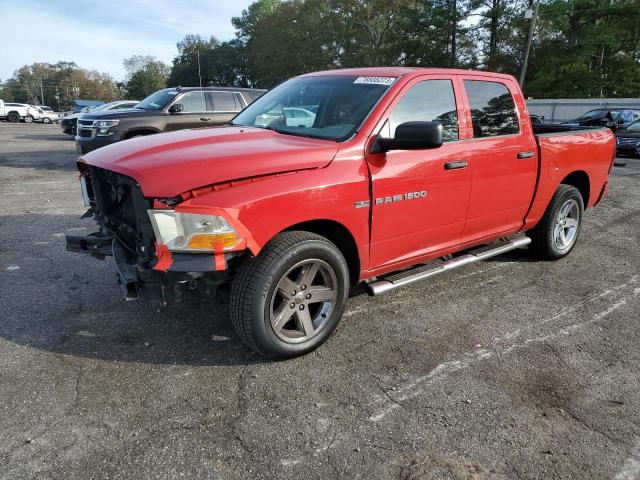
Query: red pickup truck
[384, 176]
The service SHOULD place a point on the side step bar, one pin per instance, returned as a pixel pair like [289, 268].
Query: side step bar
[382, 286]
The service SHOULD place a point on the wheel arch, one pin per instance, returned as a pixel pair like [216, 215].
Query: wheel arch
[340, 236]
[580, 180]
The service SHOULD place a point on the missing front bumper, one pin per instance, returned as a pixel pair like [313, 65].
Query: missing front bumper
[151, 285]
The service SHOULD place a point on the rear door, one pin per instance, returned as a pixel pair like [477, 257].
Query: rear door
[502, 157]
[193, 115]
[420, 197]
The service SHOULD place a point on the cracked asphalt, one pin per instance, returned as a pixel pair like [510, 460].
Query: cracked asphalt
[509, 369]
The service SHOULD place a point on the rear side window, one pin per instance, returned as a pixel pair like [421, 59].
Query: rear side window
[224, 102]
[430, 101]
[493, 111]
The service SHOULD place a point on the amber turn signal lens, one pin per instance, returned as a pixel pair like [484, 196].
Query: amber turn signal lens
[211, 241]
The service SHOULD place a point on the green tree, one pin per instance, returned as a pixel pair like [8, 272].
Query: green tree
[62, 81]
[145, 75]
[221, 64]
[586, 48]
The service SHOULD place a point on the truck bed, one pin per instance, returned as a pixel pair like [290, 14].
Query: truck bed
[586, 153]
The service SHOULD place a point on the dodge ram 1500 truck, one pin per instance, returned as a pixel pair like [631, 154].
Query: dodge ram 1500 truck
[393, 175]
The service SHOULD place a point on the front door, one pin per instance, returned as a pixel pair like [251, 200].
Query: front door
[503, 160]
[419, 197]
[193, 115]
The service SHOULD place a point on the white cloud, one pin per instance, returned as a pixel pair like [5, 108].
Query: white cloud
[99, 35]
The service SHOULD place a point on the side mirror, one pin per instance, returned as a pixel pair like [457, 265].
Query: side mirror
[176, 108]
[412, 136]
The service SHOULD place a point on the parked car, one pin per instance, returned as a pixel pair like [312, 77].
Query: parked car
[628, 139]
[605, 117]
[47, 115]
[401, 166]
[164, 111]
[292, 117]
[15, 112]
[69, 122]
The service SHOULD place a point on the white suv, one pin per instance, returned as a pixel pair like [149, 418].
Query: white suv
[14, 112]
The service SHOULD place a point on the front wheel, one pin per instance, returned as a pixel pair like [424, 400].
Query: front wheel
[557, 232]
[286, 301]
[13, 117]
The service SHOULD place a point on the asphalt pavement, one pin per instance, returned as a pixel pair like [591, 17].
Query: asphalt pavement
[510, 369]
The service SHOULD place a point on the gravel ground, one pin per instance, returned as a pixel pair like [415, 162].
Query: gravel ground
[508, 369]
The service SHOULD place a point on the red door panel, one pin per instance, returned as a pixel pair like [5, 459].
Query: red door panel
[418, 206]
[502, 160]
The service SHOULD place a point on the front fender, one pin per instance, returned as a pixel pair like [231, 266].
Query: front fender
[266, 206]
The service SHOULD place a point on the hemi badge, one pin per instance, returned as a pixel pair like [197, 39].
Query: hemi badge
[362, 204]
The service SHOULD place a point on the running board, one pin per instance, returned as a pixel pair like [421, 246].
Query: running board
[384, 285]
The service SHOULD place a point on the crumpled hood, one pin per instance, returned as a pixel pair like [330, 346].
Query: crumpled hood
[168, 164]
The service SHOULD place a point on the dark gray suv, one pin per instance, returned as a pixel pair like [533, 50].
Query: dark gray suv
[164, 111]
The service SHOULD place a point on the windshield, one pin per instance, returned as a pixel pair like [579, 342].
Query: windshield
[599, 113]
[327, 107]
[635, 126]
[158, 100]
[104, 106]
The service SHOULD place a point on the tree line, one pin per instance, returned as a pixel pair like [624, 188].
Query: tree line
[581, 48]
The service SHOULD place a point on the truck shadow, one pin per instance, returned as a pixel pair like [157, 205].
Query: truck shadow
[35, 160]
[69, 304]
[52, 137]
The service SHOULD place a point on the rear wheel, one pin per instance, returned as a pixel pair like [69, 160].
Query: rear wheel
[557, 232]
[28, 119]
[288, 300]
[13, 117]
[46, 120]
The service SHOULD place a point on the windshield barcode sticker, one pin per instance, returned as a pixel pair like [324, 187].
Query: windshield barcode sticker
[375, 80]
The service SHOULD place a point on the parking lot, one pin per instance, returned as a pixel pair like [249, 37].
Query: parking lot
[509, 369]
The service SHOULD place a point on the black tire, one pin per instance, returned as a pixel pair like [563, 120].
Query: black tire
[13, 117]
[546, 243]
[253, 294]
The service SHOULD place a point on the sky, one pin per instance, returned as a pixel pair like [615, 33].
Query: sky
[98, 35]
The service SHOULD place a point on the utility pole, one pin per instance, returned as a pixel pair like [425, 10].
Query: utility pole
[41, 92]
[533, 15]
[58, 98]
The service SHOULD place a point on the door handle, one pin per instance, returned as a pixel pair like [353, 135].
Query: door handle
[524, 155]
[203, 119]
[455, 165]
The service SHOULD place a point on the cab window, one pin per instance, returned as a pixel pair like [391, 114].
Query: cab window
[430, 101]
[493, 111]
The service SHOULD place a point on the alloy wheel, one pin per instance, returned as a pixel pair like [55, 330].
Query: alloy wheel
[303, 300]
[565, 230]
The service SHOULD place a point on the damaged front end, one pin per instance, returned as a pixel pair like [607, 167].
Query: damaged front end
[145, 267]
